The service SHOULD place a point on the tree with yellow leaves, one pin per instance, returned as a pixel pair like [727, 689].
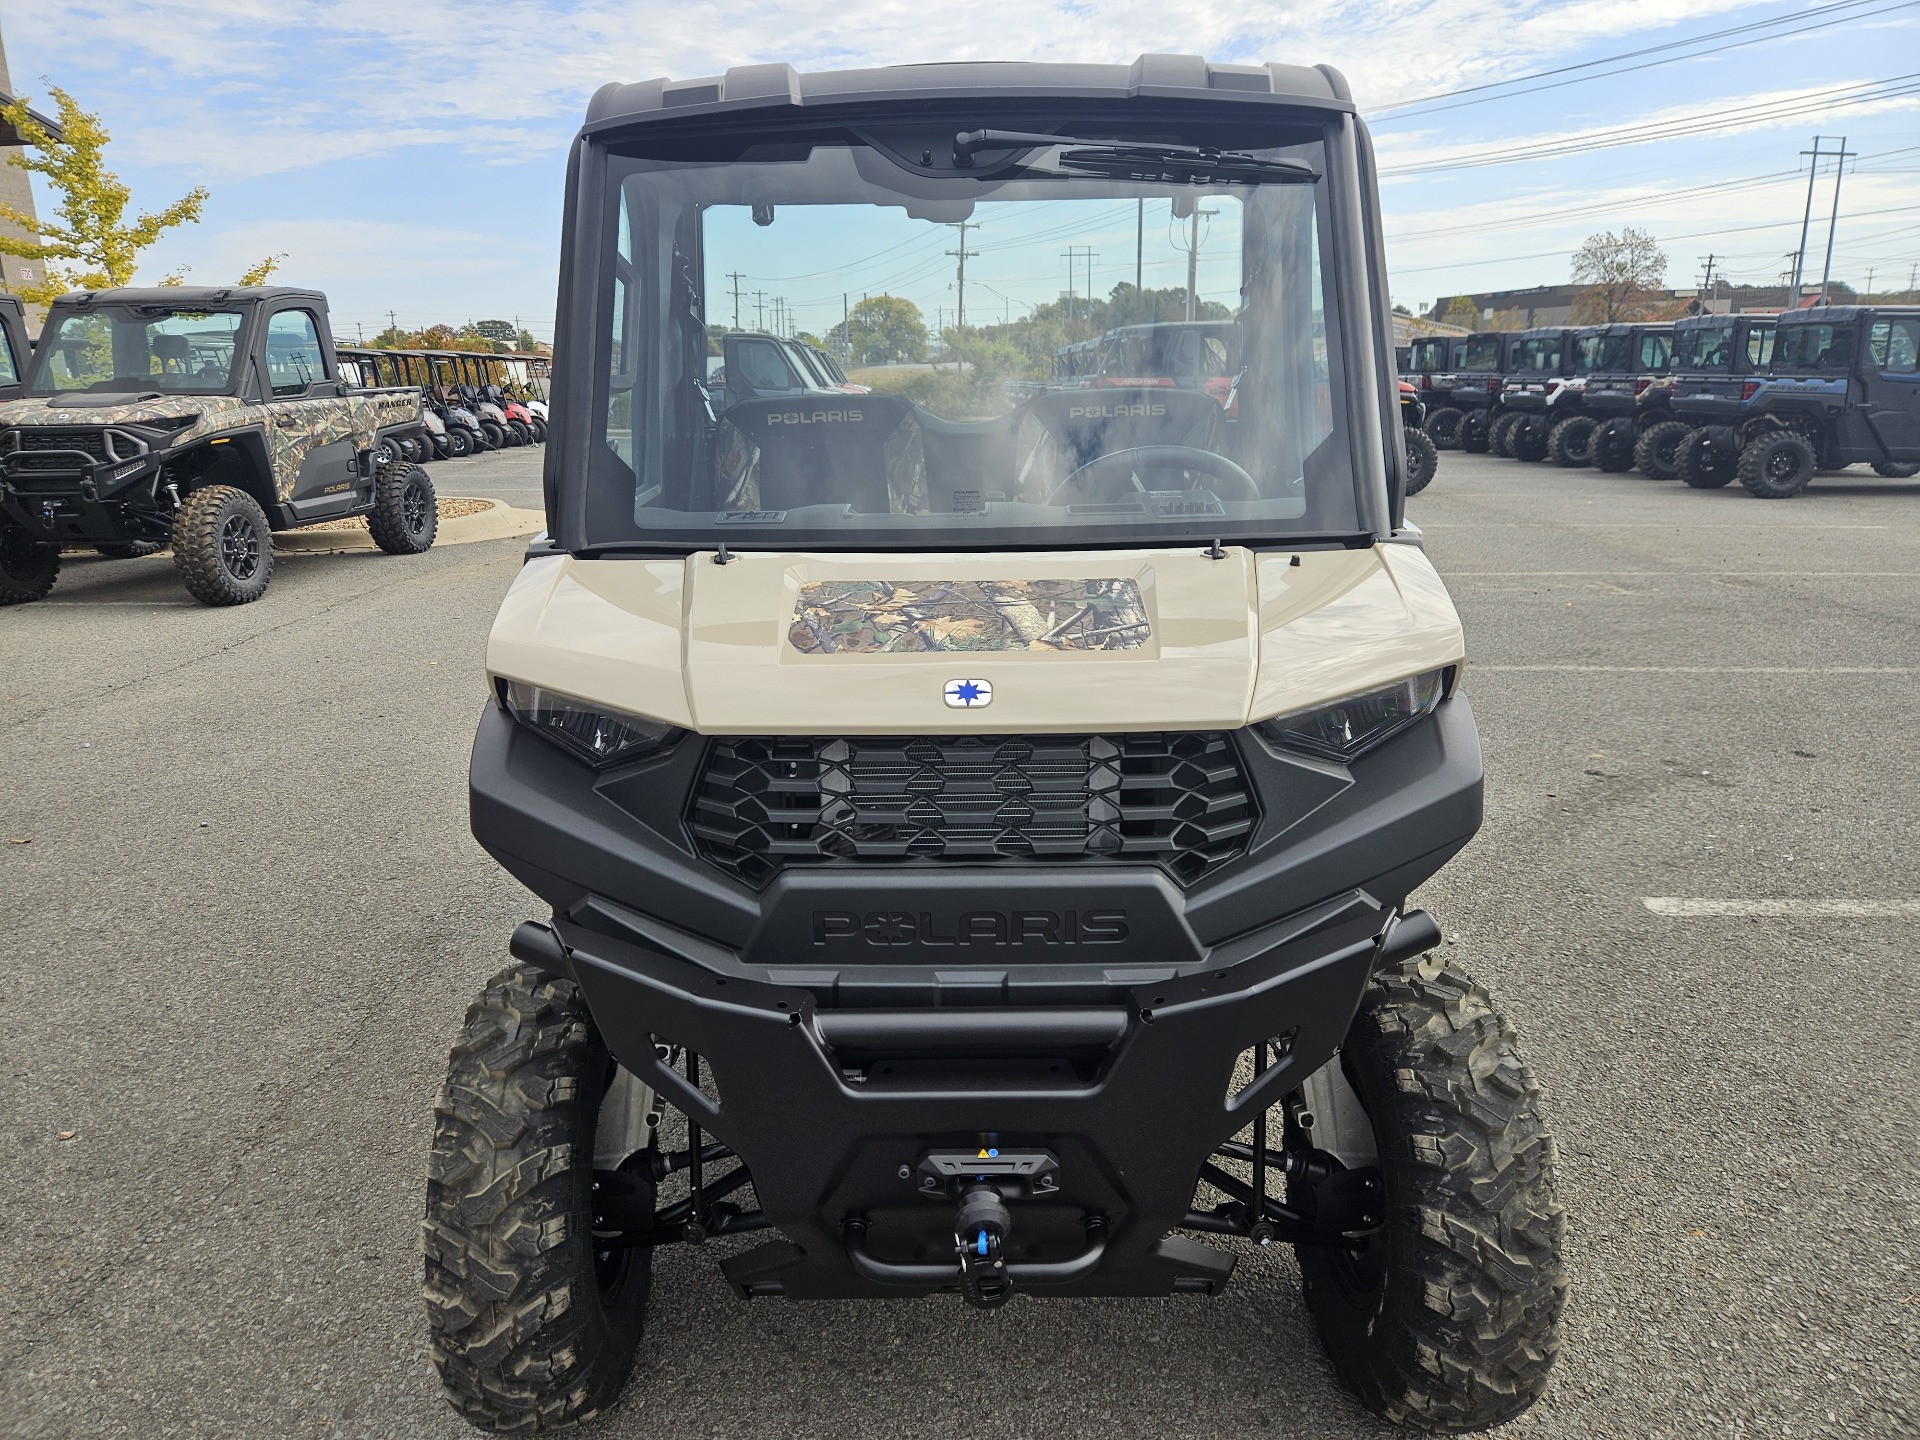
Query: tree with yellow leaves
[91, 245]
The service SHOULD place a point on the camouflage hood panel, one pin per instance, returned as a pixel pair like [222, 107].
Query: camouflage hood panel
[863, 617]
[292, 427]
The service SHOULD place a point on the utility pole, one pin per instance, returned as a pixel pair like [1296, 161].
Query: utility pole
[736, 277]
[846, 329]
[1139, 245]
[1806, 218]
[1193, 258]
[960, 305]
[393, 321]
[1706, 289]
[1091, 252]
[1069, 253]
[1833, 222]
[759, 310]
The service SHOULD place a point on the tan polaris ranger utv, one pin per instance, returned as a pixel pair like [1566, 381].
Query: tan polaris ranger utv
[977, 831]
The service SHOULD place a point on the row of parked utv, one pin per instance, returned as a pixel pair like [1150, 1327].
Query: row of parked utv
[468, 407]
[1769, 400]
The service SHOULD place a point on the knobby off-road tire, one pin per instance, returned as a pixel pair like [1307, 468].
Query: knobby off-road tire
[1657, 451]
[529, 1330]
[129, 549]
[1423, 460]
[1450, 1320]
[406, 513]
[1570, 443]
[1443, 428]
[1473, 435]
[1777, 466]
[27, 568]
[1613, 447]
[1528, 440]
[222, 546]
[1500, 437]
[1895, 469]
[1703, 465]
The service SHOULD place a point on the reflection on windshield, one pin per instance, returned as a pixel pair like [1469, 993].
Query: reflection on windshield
[1707, 348]
[1483, 356]
[995, 366]
[126, 347]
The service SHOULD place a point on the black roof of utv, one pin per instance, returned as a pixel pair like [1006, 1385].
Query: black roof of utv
[189, 297]
[746, 88]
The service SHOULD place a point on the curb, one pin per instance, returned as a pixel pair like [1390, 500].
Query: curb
[499, 521]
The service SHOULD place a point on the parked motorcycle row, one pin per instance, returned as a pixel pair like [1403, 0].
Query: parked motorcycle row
[1769, 400]
[471, 403]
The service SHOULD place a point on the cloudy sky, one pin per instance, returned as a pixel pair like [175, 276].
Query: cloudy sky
[407, 156]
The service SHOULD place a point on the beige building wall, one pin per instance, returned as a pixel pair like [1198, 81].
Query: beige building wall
[16, 190]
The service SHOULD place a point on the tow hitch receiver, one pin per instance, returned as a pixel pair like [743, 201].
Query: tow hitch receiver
[981, 1181]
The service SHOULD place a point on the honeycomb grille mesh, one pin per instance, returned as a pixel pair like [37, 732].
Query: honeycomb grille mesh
[1177, 799]
[29, 441]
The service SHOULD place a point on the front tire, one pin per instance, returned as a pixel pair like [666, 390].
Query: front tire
[222, 546]
[1613, 447]
[1528, 439]
[459, 442]
[1657, 451]
[1443, 428]
[1473, 434]
[1500, 441]
[1702, 464]
[495, 436]
[128, 549]
[1449, 1319]
[27, 567]
[1570, 443]
[406, 513]
[1777, 466]
[529, 1329]
[1423, 460]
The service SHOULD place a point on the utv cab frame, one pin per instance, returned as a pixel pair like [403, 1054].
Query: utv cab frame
[1464, 420]
[1720, 363]
[974, 826]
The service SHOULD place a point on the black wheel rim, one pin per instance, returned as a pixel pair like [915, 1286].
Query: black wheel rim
[1783, 465]
[240, 547]
[413, 507]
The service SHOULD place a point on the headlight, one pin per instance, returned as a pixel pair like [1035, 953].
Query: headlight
[1347, 729]
[587, 731]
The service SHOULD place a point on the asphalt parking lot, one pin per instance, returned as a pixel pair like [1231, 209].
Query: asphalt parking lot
[250, 916]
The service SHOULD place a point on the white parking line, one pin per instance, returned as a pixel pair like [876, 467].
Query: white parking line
[1478, 669]
[1828, 909]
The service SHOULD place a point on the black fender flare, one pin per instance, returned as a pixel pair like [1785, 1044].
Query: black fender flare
[253, 472]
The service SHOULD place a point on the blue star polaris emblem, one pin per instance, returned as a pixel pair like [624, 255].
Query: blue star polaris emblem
[969, 694]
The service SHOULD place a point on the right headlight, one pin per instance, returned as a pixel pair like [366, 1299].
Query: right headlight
[587, 731]
[1347, 729]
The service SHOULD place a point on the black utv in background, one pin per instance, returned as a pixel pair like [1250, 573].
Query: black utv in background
[1719, 365]
[1431, 359]
[1542, 361]
[1844, 389]
[1463, 419]
[1616, 365]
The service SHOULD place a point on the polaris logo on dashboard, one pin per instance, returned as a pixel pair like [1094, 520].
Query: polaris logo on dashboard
[1114, 412]
[815, 417]
[972, 927]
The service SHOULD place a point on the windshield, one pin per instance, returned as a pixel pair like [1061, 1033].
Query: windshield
[1482, 355]
[1816, 347]
[1709, 347]
[1540, 353]
[1023, 389]
[135, 348]
[1430, 356]
[1603, 352]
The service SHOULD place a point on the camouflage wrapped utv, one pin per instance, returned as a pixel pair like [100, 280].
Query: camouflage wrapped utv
[975, 820]
[201, 418]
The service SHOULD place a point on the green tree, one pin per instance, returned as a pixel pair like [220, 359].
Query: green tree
[90, 244]
[885, 330]
[1463, 312]
[259, 273]
[1623, 275]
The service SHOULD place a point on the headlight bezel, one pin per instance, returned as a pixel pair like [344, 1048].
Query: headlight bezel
[1313, 731]
[598, 736]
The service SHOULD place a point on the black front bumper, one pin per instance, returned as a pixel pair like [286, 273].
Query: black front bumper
[843, 1053]
[84, 500]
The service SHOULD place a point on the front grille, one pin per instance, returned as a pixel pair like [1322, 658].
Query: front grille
[29, 441]
[1178, 799]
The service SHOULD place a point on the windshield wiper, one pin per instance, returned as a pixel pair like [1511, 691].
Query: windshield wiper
[1138, 160]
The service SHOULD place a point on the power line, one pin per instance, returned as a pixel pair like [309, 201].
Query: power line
[1565, 70]
[1722, 119]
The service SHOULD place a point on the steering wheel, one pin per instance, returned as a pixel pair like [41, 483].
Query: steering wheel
[1115, 471]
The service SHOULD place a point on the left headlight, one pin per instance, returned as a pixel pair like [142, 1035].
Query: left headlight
[1347, 729]
[585, 730]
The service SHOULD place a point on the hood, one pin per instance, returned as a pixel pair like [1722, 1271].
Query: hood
[108, 409]
[909, 644]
